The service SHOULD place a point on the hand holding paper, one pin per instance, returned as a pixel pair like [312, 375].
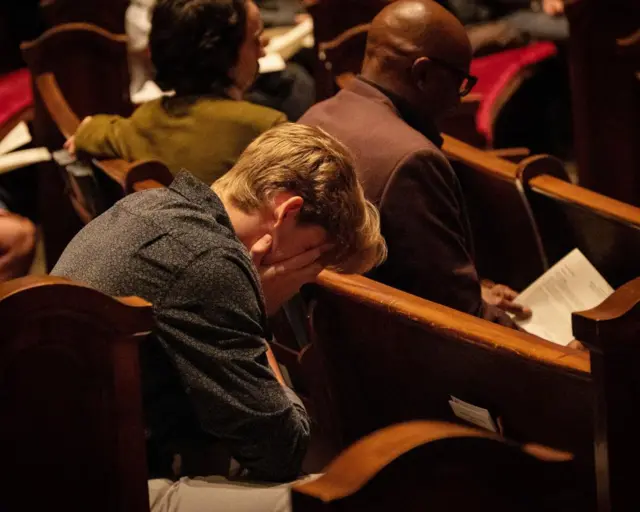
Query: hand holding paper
[572, 284]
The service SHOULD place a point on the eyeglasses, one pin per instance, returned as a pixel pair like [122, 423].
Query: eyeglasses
[467, 81]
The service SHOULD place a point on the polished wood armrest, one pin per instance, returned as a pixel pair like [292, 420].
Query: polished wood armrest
[630, 44]
[363, 460]
[136, 176]
[115, 168]
[147, 174]
[568, 192]
[147, 185]
[345, 36]
[511, 154]
[57, 105]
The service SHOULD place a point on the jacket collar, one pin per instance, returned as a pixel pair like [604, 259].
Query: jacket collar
[399, 105]
[200, 194]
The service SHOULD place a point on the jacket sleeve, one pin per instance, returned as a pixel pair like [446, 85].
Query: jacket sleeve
[105, 136]
[209, 324]
[430, 248]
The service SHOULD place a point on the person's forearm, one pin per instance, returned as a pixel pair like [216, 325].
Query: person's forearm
[96, 137]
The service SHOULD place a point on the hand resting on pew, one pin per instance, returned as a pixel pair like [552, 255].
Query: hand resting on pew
[70, 145]
[282, 279]
[503, 297]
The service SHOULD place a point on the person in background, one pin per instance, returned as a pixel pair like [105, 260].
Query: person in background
[291, 90]
[17, 243]
[206, 51]
[495, 24]
[215, 262]
[281, 13]
[416, 69]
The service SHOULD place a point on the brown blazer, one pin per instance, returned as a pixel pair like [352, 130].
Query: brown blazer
[423, 213]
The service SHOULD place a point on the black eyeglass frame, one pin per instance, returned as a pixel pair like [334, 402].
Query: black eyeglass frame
[471, 79]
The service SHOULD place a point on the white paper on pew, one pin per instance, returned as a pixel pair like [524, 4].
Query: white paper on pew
[15, 139]
[292, 41]
[572, 284]
[271, 63]
[281, 48]
[19, 159]
[473, 414]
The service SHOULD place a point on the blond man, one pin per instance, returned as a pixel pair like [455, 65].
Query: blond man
[215, 262]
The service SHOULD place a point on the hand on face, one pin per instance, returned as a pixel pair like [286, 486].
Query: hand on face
[503, 297]
[282, 279]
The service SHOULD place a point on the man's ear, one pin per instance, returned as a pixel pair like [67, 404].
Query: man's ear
[287, 210]
[419, 71]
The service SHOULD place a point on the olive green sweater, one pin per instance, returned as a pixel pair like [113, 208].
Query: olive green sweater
[205, 135]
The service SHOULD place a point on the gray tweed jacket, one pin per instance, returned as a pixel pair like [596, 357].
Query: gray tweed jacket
[204, 371]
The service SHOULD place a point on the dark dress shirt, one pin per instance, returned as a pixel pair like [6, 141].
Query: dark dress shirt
[205, 373]
[422, 209]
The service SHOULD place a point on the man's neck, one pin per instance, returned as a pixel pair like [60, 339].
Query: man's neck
[418, 119]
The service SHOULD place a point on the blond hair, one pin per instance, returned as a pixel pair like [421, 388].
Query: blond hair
[311, 164]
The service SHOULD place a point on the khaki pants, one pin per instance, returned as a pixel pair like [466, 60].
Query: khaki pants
[217, 494]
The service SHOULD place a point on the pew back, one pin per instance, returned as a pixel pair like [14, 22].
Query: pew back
[70, 397]
[108, 14]
[422, 465]
[329, 27]
[392, 357]
[607, 231]
[90, 67]
[508, 245]
[610, 331]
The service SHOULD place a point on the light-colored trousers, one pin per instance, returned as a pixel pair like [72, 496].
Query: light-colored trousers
[217, 494]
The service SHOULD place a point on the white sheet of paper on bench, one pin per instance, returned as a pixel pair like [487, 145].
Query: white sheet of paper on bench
[19, 159]
[572, 284]
[283, 47]
[292, 41]
[15, 139]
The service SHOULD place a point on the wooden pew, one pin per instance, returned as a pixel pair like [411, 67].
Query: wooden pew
[72, 430]
[607, 231]
[420, 465]
[605, 86]
[63, 96]
[107, 14]
[90, 67]
[508, 244]
[391, 357]
[327, 28]
[610, 332]
[72, 416]
[71, 404]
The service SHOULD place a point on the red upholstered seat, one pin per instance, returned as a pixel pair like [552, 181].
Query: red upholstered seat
[499, 75]
[16, 95]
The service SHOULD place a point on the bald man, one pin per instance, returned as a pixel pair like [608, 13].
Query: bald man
[415, 70]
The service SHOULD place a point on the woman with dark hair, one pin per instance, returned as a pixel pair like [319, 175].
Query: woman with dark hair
[206, 51]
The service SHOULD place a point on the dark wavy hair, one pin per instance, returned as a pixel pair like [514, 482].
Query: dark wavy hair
[194, 44]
